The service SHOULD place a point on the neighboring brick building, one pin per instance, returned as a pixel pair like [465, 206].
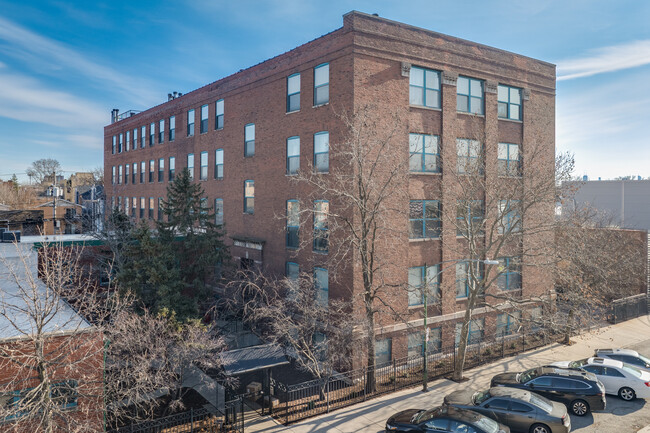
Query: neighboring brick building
[243, 128]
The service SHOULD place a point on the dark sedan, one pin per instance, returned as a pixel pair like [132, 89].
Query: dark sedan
[520, 410]
[580, 391]
[443, 419]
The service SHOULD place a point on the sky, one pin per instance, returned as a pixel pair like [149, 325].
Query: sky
[65, 64]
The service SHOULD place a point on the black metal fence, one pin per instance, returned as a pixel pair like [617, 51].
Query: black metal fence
[629, 308]
[304, 400]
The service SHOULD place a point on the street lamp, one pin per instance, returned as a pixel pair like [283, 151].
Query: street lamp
[425, 372]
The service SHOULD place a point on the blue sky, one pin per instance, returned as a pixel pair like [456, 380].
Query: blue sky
[65, 65]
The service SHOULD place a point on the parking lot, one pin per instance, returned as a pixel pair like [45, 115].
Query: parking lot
[619, 417]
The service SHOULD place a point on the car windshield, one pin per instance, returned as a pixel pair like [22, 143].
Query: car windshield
[541, 402]
[644, 359]
[632, 370]
[527, 375]
[480, 397]
[577, 364]
[487, 424]
[424, 415]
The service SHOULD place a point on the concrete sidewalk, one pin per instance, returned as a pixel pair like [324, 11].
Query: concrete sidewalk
[371, 416]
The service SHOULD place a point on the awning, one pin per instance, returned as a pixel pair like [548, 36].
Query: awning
[252, 358]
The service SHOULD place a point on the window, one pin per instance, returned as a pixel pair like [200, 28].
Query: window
[161, 169]
[141, 207]
[114, 145]
[160, 209]
[321, 282]
[509, 100]
[469, 95]
[322, 152]
[127, 168]
[416, 342]
[135, 138]
[424, 219]
[509, 216]
[469, 156]
[508, 323]
[470, 216]
[152, 133]
[423, 280]
[113, 175]
[424, 153]
[536, 318]
[476, 331]
[119, 204]
[143, 169]
[172, 128]
[292, 272]
[383, 351]
[218, 211]
[128, 140]
[204, 166]
[509, 163]
[249, 139]
[293, 93]
[134, 207]
[190, 165]
[119, 174]
[135, 173]
[204, 119]
[161, 131]
[293, 223]
[218, 164]
[509, 273]
[218, 116]
[464, 279]
[293, 155]
[321, 209]
[322, 84]
[424, 87]
[172, 168]
[120, 146]
[143, 132]
[64, 394]
[151, 202]
[152, 168]
[249, 196]
[190, 122]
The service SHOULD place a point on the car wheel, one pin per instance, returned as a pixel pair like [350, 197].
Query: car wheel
[540, 428]
[626, 394]
[579, 407]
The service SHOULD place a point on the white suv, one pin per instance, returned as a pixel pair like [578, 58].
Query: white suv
[625, 380]
[625, 355]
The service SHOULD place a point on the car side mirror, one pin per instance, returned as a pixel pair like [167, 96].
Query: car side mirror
[532, 385]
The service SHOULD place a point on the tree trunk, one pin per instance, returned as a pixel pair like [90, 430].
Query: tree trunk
[568, 328]
[43, 379]
[464, 337]
[370, 374]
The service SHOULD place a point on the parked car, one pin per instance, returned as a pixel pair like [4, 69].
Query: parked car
[522, 411]
[619, 378]
[580, 391]
[625, 355]
[443, 419]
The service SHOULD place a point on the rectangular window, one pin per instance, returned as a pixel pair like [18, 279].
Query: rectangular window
[119, 203]
[152, 133]
[509, 273]
[424, 153]
[190, 122]
[321, 236]
[161, 170]
[120, 146]
[416, 342]
[509, 162]
[218, 211]
[425, 219]
[127, 174]
[321, 281]
[160, 209]
[142, 204]
[249, 139]
[536, 318]
[114, 145]
[134, 207]
[218, 164]
[204, 119]
[143, 169]
[424, 87]
[293, 93]
[293, 155]
[190, 165]
[135, 138]
[469, 156]
[322, 152]
[64, 394]
[509, 100]
[293, 223]
[143, 133]
[249, 196]
[203, 175]
[470, 216]
[152, 168]
[119, 174]
[476, 331]
[469, 95]
[509, 216]
[172, 168]
[292, 273]
[161, 131]
[422, 281]
[383, 351]
[508, 323]
[128, 140]
[135, 173]
[113, 175]
[172, 128]
[151, 202]
[322, 84]
[218, 116]
[464, 280]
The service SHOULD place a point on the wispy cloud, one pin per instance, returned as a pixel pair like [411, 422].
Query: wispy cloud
[606, 59]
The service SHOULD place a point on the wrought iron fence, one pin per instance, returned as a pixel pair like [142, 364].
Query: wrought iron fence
[304, 400]
[628, 308]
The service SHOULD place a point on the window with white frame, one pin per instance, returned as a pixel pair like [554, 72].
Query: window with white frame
[293, 224]
[321, 235]
[172, 128]
[143, 170]
[509, 273]
[135, 173]
[134, 207]
[476, 331]
[204, 119]
[152, 168]
[127, 144]
[142, 204]
[292, 273]
[249, 140]
[151, 205]
[424, 153]
[322, 84]
[218, 117]
[127, 174]
[509, 100]
[425, 219]
[321, 282]
[218, 164]
[135, 138]
[120, 146]
[172, 168]
[190, 165]
[143, 134]
[469, 95]
[469, 156]
[161, 212]
[114, 147]
[161, 169]
[161, 131]
[423, 281]
[113, 175]
[249, 196]
[293, 155]
[190, 122]
[218, 211]
[152, 133]
[203, 175]
[119, 174]
[508, 323]
[424, 87]
[293, 93]
[508, 160]
[322, 152]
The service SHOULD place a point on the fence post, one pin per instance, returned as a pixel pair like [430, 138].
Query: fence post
[365, 382]
[503, 347]
[286, 406]
[191, 420]
[328, 395]
[394, 375]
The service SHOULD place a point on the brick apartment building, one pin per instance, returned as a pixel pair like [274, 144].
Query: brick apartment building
[242, 136]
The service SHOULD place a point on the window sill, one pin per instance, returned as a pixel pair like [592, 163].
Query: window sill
[422, 107]
[291, 174]
[321, 105]
[504, 176]
[423, 239]
[298, 111]
[470, 114]
[322, 253]
[425, 173]
[511, 120]
[248, 213]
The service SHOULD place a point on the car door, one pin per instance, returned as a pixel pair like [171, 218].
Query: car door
[599, 371]
[521, 416]
[543, 386]
[616, 379]
[496, 408]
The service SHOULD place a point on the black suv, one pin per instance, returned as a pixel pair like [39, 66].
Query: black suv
[580, 391]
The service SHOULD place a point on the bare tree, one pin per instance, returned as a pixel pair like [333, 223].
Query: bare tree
[16, 196]
[98, 175]
[43, 168]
